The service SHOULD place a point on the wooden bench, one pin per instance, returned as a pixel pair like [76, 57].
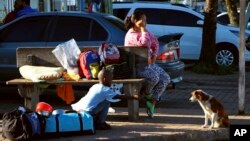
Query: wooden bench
[43, 56]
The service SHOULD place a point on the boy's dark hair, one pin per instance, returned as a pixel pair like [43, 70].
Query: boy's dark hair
[130, 20]
[105, 76]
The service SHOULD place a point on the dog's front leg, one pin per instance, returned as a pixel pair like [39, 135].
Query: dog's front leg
[213, 118]
[206, 121]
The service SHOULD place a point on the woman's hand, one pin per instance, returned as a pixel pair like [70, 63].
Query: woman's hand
[142, 25]
[143, 29]
[151, 59]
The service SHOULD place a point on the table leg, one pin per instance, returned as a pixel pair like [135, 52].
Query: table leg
[30, 93]
[133, 105]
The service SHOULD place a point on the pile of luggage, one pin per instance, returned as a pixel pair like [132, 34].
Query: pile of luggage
[25, 124]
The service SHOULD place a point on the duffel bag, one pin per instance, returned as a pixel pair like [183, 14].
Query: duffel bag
[22, 124]
[69, 123]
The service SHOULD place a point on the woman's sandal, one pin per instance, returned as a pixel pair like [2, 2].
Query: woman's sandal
[150, 103]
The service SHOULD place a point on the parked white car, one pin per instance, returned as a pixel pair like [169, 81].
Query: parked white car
[165, 18]
[224, 19]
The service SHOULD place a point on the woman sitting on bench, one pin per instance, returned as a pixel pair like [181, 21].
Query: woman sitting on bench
[156, 78]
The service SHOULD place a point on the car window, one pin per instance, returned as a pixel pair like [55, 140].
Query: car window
[170, 17]
[98, 33]
[121, 13]
[154, 16]
[116, 22]
[79, 28]
[224, 19]
[31, 29]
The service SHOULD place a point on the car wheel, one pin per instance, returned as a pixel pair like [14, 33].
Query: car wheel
[226, 56]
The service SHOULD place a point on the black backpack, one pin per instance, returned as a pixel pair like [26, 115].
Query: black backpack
[22, 124]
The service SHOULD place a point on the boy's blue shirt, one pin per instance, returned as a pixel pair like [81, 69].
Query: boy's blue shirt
[96, 94]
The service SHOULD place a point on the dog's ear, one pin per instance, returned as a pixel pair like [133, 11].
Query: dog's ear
[198, 94]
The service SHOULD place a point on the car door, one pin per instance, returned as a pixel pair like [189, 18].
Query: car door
[24, 32]
[85, 30]
[162, 21]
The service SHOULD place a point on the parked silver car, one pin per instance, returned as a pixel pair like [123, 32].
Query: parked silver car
[88, 29]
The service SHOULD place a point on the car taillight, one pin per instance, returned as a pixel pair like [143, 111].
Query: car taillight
[172, 51]
[169, 55]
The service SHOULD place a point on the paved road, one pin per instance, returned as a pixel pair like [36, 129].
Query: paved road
[176, 118]
[224, 88]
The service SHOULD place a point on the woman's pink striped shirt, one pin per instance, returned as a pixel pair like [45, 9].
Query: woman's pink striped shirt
[135, 38]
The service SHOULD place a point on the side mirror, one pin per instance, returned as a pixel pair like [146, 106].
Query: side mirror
[200, 23]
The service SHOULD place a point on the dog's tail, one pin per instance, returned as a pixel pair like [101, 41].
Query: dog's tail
[225, 121]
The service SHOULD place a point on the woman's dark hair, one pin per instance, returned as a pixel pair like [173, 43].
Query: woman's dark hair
[130, 20]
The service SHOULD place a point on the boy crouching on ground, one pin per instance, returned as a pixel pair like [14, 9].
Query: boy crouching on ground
[98, 98]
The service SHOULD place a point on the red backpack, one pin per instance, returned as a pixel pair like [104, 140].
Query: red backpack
[109, 53]
[89, 64]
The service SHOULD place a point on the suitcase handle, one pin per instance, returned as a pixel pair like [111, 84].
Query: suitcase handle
[70, 111]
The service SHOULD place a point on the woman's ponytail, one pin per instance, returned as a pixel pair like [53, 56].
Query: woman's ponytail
[128, 23]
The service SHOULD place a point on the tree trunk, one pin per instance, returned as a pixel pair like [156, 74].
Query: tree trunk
[232, 12]
[106, 6]
[207, 55]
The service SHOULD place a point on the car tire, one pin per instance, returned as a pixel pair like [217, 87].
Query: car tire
[226, 56]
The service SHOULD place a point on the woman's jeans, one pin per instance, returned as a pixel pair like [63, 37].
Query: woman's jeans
[156, 80]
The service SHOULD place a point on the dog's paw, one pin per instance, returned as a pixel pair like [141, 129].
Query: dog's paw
[211, 127]
[204, 126]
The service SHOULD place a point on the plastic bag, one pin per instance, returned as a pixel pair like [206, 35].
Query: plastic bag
[67, 54]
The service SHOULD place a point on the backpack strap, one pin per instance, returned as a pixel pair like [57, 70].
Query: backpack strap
[57, 123]
[80, 120]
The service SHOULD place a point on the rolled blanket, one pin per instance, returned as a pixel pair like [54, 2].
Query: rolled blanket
[40, 73]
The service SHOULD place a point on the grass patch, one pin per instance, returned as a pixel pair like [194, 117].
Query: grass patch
[202, 68]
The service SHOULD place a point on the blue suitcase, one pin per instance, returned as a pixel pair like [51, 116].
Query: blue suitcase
[69, 123]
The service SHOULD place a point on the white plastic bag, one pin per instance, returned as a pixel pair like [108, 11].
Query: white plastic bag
[67, 54]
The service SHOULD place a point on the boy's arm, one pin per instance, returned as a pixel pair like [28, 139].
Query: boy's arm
[123, 96]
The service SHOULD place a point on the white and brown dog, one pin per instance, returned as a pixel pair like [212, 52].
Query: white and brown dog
[212, 108]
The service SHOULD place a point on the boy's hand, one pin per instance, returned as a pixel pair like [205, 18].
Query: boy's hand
[123, 96]
[136, 97]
